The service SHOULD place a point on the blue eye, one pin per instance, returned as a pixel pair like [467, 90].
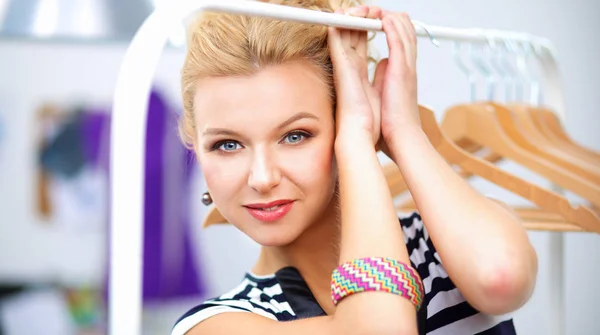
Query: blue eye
[295, 137]
[228, 146]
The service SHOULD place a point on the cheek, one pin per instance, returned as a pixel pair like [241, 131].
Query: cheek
[313, 167]
[211, 174]
[222, 177]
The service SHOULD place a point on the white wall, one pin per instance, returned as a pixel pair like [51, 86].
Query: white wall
[33, 74]
[31, 248]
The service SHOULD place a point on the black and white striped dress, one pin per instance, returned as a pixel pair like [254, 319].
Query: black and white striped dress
[284, 296]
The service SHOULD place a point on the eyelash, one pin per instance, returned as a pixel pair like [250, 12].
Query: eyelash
[305, 134]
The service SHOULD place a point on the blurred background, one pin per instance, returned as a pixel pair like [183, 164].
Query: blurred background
[59, 61]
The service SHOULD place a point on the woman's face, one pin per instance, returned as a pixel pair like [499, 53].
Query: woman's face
[265, 145]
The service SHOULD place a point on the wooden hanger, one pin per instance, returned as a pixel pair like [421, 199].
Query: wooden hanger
[493, 157]
[464, 127]
[213, 217]
[397, 185]
[532, 218]
[520, 117]
[526, 213]
[536, 112]
[549, 125]
[476, 123]
[522, 132]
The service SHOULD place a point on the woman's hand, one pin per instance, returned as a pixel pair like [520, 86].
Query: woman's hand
[396, 78]
[392, 97]
[358, 103]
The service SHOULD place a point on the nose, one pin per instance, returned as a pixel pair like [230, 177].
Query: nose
[264, 174]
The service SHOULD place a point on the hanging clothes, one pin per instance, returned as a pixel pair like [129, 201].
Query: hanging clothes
[170, 268]
[80, 151]
[72, 190]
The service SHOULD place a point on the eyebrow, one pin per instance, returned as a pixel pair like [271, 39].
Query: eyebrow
[292, 119]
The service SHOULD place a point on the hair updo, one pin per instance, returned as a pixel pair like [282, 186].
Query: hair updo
[221, 44]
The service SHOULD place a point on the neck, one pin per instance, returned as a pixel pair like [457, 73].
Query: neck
[314, 254]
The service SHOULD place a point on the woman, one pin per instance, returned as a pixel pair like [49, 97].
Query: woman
[285, 124]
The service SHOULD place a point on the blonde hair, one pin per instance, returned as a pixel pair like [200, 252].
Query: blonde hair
[234, 45]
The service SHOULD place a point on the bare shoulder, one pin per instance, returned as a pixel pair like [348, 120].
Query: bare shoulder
[253, 324]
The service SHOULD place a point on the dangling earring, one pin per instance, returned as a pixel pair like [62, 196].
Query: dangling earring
[206, 199]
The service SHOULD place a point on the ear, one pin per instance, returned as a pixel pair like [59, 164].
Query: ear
[380, 74]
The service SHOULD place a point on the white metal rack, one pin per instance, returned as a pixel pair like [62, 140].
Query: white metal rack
[128, 135]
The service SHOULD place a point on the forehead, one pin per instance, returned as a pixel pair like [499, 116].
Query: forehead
[272, 92]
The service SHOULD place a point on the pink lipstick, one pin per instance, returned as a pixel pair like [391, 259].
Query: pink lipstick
[270, 212]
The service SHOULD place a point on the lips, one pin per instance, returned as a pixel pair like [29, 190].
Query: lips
[270, 212]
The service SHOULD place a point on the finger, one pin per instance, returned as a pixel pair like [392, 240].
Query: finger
[412, 36]
[411, 30]
[345, 34]
[338, 40]
[361, 48]
[360, 11]
[361, 44]
[404, 36]
[380, 75]
[346, 39]
[335, 42]
[374, 12]
[395, 47]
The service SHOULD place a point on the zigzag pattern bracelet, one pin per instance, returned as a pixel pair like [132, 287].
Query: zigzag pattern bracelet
[376, 274]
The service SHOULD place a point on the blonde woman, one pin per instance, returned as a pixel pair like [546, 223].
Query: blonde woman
[285, 124]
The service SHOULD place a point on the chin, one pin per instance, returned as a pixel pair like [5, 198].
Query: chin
[274, 234]
[274, 237]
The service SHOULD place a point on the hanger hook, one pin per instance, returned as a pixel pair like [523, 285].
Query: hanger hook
[464, 69]
[506, 63]
[534, 82]
[521, 68]
[536, 92]
[483, 69]
[495, 63]
[524, 75]
[424, 27]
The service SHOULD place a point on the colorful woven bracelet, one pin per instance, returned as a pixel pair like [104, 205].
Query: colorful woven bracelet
[376, 274]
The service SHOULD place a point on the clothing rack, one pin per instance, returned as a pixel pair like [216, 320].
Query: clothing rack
[128, 134]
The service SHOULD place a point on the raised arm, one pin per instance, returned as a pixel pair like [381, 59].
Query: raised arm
[482, 245]
[369, 221]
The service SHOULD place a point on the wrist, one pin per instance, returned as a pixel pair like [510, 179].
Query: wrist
[403, 137]
[399, 128]
[354, 151]
[349, 140]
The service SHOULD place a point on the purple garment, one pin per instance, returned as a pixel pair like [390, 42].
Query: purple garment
[170, 266]
[169, 269]
[93, 125]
